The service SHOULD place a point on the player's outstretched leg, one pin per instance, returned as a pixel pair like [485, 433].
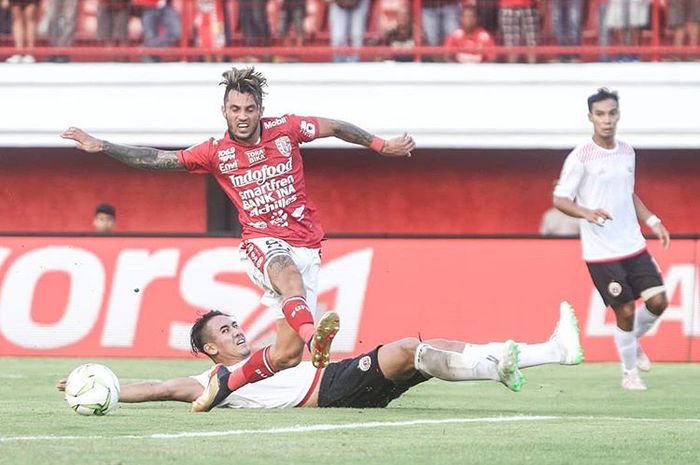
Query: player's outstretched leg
[566, 336]
[215, 392]
[508, 371]
[326, 329]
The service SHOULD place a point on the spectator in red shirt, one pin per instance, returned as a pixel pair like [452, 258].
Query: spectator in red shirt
[470, 35]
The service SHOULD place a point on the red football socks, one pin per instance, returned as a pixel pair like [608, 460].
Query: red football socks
[256, 368]
[299, 317]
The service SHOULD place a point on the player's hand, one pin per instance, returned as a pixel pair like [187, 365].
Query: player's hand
[84, 140]
[399, 146]
[597, 216]
[663, 235]
[61, 385]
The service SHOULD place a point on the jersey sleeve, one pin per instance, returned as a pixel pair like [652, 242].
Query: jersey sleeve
[197, 159]
[304, 128]
[570, 178]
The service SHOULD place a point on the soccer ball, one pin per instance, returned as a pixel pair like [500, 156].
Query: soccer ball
[92, 389]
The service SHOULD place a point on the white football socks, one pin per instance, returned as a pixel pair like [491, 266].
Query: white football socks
[455, 366]
[643, 321]
[626, 343]
[530, 354]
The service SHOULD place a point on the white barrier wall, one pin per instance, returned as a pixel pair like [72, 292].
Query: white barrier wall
[442, 105]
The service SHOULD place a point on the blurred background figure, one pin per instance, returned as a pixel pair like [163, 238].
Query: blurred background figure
[62, 18]
[23, 28]
[292, 13]
[401, 36]
[209, 26]
[113, 22]
[105, 217]
[5, 18]
[439, 18]
[519, 22]
[554, 222]
[566, 24]
[470, 34]
[684, 19]
[626, 18]
[252, 16]
[161, 25]
[348, 22]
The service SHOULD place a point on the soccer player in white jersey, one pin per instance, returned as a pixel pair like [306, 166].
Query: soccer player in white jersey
[258, 164]
[370, 380]
[597, 185]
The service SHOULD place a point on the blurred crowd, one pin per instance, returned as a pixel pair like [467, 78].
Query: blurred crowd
[465, 30]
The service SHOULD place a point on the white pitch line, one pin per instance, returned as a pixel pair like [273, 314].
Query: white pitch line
[345, 426]
[289, 429]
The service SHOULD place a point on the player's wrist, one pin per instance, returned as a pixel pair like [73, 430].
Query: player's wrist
[377, 144]
[652, 221]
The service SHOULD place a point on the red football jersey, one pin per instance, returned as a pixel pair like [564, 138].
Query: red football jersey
[265, 181]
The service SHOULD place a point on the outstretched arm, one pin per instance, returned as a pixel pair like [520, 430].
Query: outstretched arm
[397, 146]
[178, 389]
[651, 220]
[139, 157]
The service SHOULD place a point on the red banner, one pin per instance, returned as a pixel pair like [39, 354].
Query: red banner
[138, 296]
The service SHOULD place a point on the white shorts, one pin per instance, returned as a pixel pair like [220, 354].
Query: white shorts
[256, 254]
[627, 13]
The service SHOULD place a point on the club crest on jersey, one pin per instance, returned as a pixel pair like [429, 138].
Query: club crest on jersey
[284, 145]
[256, 156]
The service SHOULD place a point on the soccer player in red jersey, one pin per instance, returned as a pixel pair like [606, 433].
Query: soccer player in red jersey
[258, 164]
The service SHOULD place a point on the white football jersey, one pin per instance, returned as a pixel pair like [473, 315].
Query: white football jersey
[285, 389]
[595, 177]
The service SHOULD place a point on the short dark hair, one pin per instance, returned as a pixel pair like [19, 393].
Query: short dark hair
[245, 81]
[107, 209]
[197, 332]
[602, 94]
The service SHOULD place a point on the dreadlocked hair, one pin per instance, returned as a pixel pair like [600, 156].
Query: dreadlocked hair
[245, 81]
[197, 335]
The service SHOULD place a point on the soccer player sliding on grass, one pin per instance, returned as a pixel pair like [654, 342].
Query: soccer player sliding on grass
[370, 380]
[258, 164]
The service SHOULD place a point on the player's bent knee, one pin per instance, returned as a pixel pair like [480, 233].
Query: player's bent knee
[408, 349]
[657, 304]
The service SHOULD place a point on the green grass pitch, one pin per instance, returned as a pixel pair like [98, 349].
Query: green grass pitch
[564, 415]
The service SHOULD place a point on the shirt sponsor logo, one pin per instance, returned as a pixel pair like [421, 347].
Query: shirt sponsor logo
[256, 156]
[262, 174]
[274, 122]
[227, 155]
[284, 145]
[258, 224]
[227, 160]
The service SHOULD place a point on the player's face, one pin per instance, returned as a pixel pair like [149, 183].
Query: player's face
[226, 340]
[242, 115]
[604, 115]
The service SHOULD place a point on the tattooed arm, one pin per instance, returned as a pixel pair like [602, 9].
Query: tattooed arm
[396, 146]
[146, 158]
